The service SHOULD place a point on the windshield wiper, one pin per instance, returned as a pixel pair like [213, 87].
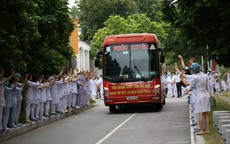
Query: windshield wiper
[141, 75]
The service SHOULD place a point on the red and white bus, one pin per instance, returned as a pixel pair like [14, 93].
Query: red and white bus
[132, 70]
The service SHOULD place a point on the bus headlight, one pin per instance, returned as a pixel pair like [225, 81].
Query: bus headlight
[157, 88]
[106, 91]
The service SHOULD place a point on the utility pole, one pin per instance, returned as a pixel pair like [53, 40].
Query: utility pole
[208, 64]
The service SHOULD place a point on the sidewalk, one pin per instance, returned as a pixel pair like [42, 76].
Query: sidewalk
[33, 125]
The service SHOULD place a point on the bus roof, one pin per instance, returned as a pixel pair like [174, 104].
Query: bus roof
[130, 38]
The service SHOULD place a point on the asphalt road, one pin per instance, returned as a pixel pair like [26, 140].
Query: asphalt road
[133, 125]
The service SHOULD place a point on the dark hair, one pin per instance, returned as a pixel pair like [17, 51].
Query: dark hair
[187, 72]
[35, 78]
[29, 76]
[11, 81]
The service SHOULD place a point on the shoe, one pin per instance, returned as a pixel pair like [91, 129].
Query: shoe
[200, 133]
[53, 113]
[19, 124]
[193, 124]
[46, 115]
[77, 107]
[34, 119]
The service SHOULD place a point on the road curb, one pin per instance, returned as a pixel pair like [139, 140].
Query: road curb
[33, 125]
[195, 139]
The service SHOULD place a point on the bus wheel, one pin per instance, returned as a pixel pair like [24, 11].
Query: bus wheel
[112, 108]
[159, 106]
[163, 101]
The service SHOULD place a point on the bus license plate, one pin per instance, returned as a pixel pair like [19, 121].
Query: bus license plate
[132, 98]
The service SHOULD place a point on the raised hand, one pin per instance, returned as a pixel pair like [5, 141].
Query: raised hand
[180, 57]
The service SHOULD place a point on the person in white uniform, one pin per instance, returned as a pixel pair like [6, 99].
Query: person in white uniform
[19, 99]
[228, 81]
[170, 81]
[178, 85]
[42, 96]
[3, 83]
[100, 82]
[2, 99]
[211, 82]
[55, 96]
[28, 97]
[35, 106]
[199, 84]
[74, 90]
[93, 87]
[48, 97]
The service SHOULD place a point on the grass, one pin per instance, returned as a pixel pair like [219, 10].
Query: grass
[222, 103]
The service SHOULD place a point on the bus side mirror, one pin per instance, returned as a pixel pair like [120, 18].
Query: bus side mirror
[96, 62]
[97, 59]
[162, 58]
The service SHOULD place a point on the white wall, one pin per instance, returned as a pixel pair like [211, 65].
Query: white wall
[83, 57]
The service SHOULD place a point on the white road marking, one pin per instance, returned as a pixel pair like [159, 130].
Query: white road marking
[128, 128]
[114, 130]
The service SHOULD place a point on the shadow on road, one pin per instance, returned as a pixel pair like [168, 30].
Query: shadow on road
[146, 108]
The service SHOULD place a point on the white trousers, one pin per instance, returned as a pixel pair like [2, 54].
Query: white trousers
[47, 107]
[19, 106]
[41, 112]
[74, 100]
[27, 110]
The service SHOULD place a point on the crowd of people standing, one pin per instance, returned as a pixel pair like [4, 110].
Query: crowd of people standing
[43, 96]
[199, 86]
[175, 89]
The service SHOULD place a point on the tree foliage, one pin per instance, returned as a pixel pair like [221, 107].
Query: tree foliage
[136, 23]
[74, 11]
[34, 35]
[202, 23]
[94, 13]
[152, 8]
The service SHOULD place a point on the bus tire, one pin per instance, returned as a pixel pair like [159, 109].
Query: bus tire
[163, 103]
[112, 108]
[159, 106]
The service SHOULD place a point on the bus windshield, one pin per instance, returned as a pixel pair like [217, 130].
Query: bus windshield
[131, 62]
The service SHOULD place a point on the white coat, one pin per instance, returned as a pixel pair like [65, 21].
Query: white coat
[29, 94]
[199, 85]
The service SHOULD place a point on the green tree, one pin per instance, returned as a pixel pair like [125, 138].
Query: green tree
[35, 35]
[74, 11]
[93, 14]
[202, 23]
[152, 8]
[136, 23]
